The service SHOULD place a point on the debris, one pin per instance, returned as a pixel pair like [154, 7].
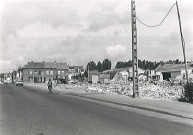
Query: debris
[161, 90]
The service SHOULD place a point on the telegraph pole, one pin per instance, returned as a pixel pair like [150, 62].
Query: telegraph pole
[134, 51]
[183, 42]
[88, 72]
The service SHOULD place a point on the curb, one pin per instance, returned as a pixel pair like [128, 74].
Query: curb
[132, 106]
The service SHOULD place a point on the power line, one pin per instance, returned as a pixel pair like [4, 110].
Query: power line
[160, 22]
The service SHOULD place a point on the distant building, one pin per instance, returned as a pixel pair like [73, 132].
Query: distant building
[75, 73]
[77, 69]
[93, 76]
[171, 71]
[104, 78]
[14, 76]
[7, 78]
[126, 73]
[41, 72]
[153, 75]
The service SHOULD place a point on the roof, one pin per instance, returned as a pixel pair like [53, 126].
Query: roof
[115, 70]
[93, 72]
[75, 67]
[104, 75]
[34, 65]
[56, 65]
[172, 67]
[46, 65]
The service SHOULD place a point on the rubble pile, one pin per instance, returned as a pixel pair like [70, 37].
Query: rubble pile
[161, 91]
[77, 86]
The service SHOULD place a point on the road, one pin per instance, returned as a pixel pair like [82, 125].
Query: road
[27, 111]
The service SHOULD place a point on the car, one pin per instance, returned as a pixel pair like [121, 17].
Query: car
[19, 83]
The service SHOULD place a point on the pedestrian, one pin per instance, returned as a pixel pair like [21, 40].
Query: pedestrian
[50, 86]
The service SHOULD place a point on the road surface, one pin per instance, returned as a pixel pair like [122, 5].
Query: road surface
[27, 111]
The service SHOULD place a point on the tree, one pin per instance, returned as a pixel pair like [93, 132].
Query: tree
[120, 64]
[177, 61]
[99, 67]
[128, 64]
[85, 74]
[106, 65]
[91, 65]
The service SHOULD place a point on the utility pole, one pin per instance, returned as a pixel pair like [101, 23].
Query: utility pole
[134, 51]
[88, 72]
[183, 42]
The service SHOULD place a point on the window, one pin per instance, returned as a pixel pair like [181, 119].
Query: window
[51, 72]
[47, 72]
[62, 72]
[39, 72]
[30, 72]
[58, 72]
[35, 72]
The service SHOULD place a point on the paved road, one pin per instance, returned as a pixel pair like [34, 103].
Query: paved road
[26, 111]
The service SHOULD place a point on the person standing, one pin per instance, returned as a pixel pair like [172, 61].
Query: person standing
[50, 86]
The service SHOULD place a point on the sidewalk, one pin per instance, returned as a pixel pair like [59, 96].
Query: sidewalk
[178, 109]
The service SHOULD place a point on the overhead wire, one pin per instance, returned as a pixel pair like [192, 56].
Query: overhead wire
[160, 22]
[144, 23]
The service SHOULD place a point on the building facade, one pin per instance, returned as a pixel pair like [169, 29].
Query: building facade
[41, 72]
[171, 71]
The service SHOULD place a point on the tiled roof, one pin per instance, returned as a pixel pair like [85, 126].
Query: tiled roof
[46, 65]
[35, 65]
[56, 65]
[172, 67]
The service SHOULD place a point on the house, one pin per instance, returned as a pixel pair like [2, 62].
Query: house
[113, 72]
[153, 75]
[19, 74]
[93, 76]
[122, 73]
[14, 76]
[75, 73]
[77, 69]
[41, 72]
[57, 71]
[171, 71]
[104, 78]
[7, 78]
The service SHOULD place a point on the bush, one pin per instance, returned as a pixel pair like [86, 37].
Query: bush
[188, 91]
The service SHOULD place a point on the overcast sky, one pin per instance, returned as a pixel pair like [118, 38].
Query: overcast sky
[77, 31]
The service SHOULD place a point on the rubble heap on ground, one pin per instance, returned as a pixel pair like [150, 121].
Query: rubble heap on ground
[160, 91]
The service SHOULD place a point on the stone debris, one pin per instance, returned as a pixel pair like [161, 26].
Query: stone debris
[160, 91]
[166, 91]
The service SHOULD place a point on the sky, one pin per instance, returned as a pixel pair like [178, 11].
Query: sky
[78, 31]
